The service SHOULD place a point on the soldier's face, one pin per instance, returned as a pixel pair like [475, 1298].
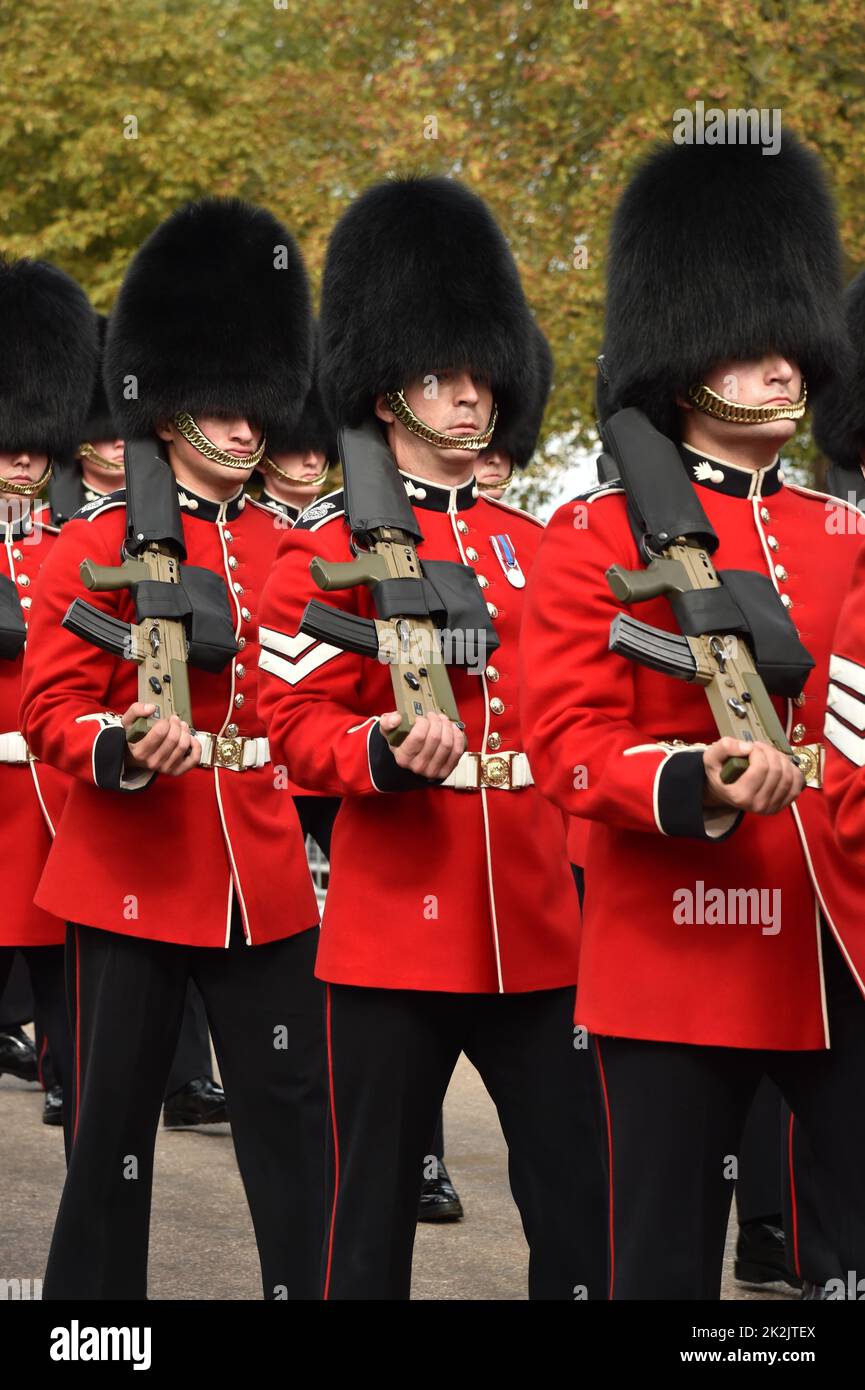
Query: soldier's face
[303, 467]
[492, 466]
[111, 449]
[237, 437]
[20, 466]
[773, 380]
[452, 402]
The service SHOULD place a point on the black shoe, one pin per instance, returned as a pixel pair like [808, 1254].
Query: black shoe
[439, 1199]
[52, 1110]
[761, 1255]
[199, 1102]
[816, 1293]
[18, 1055]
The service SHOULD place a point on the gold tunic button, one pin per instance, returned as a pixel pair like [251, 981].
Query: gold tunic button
[462, 528]
[471, 553]
[232, 562]
[494, 741]
[799, 701]
[786, 600]
[228, 536]
[497, 706]
[798, 733]
[491, 673]
[245, 613]
[231, 731]
[238, 700]
[483, 581]
[780, 572]
[26, 602]
[492, 610]
[241, 643]
[238, 588]
[771, 542]
[17, 555]
[764, 513]
[23, 580]
[240, 671]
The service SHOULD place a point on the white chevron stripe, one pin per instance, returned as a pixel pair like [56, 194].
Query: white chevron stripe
[847, 672]
[850, 707]
[844, 740]
[281, 642]
[294, 671]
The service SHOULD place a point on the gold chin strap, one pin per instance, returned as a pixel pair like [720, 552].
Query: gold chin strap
[406, 416]
[290, 478]
[496, 487]
[27, 489]
[87, 451]
[721, 409]
[194, 436]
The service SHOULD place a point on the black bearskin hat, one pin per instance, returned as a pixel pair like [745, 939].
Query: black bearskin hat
[419, 277]
[518, 435]
[48, 357]
[716, 252]
[838, 417]
[100, 424]
[213, 318]
[314, 430]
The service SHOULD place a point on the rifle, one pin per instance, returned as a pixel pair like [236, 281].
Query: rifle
[158, 641]
[718, 618]
[385, 535]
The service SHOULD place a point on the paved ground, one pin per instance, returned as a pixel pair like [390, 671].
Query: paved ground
[202, 1244]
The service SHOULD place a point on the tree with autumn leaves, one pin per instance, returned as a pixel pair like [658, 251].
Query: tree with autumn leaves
[115, 112]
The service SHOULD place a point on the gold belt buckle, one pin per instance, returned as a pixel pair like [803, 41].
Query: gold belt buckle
[228, 752]
[497, 770]
[811, 757]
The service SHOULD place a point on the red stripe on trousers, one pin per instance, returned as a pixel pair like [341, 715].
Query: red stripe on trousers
[797, 1270]
[335, 1147]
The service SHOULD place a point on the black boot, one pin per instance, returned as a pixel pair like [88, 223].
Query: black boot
[439, 1199]
[761, 1255]
[18, 1055]
[52, 1110]
[199, 1102]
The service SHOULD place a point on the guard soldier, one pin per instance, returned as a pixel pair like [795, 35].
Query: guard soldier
[96, 468]
[47, 367]
[207, 876]
[513, 441]
[295, 467]
[451, 918]
[722, 935]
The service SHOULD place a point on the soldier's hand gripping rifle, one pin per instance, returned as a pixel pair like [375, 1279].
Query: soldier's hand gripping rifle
[721, 617]
[150, 569]
[385, 535]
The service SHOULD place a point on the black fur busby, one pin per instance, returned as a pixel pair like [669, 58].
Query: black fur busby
[100, 423]
[419, 277]
[213, 318]
[716, 252]
[517, 435]
[838, 413]
[48, 357]
[314, 430]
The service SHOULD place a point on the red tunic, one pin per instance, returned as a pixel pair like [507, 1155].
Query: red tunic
[597, 728]
[162, 857]
[31, 794]
[431, 888]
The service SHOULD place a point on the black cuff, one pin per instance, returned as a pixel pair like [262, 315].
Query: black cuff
[681, 785]
[385, 771]
[109, 760]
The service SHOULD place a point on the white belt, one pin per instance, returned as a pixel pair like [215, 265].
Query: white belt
[13, 749]
[237, 754]
[506, 771]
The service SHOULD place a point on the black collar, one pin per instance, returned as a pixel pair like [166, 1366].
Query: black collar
[718, 476]
[203, 509]
[21, 527]
[435, 497]
[276, 504]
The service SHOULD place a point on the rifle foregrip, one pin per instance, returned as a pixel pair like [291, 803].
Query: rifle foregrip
[733, 769]
[344, 630]
[107, 577]
[98, 628]
[342, 574]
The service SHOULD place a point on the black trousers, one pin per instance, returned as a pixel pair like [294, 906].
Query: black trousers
[675, 1118]
[760, 1184]
[192, 1058]
[391, 1056]
[266, 1018]
[45, 964]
